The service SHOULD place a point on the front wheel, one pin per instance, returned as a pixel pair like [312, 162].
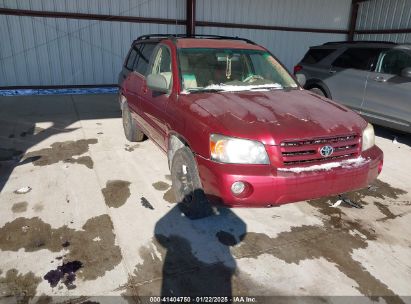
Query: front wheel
[187, 185]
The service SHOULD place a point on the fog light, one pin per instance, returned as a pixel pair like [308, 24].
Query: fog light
[237, 187]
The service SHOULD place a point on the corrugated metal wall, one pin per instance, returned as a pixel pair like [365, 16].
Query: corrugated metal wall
[289, 47]
[49, 51]
[325, 14]
[384, 14]
[46, 51]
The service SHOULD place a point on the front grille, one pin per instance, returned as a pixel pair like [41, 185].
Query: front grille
[307, 151]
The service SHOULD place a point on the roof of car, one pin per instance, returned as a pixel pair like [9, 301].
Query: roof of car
[215, 43]
[202, 41]
[359, 44]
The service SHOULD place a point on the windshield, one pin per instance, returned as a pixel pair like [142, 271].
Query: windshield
[205, 69]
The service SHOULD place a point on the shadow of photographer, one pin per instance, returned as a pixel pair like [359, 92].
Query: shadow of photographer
[198, 261]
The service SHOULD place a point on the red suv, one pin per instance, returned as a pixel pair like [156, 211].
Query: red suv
[237, 128]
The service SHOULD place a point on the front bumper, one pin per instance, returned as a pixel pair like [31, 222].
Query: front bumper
[270, 186]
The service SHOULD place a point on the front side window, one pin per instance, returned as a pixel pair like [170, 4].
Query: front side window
[393, 62]
[162, 64]
[357, 58]
[144, 53]
[219, 69]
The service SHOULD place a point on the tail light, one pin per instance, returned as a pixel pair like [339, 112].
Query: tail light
[297, 68]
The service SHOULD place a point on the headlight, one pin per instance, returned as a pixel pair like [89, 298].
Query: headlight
[368, 137]
[237, 151]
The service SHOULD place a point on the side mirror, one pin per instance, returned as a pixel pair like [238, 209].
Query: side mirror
[157, 83]
[301, 79]
[406, 73]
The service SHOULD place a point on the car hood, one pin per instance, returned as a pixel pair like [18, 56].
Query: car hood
[273, 116]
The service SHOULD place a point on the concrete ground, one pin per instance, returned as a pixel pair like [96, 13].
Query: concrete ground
[86, 214]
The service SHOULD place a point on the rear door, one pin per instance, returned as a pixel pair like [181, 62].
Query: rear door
[136, 78]
[314, 64]
[154, 104]
[348, 73]
[388, 94]
[128, 65]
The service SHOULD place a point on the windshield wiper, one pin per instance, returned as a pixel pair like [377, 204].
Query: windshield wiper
[203, 90]
[274, 87]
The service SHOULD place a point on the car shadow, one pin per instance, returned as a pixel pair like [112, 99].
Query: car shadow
[390, 134]
[198, 261]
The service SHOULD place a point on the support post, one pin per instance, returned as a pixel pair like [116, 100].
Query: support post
[191, 18]
[353, 19]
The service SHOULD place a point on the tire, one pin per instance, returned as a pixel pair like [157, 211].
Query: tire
[187, 186]
[318, 91]
[131, 131]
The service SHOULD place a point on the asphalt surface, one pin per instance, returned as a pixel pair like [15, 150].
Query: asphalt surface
[88, 217]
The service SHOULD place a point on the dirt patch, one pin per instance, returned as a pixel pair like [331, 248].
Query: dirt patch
[21, 286]
[94, 246]
[161, 186]
[38, 207]
[129, 148]
[116, 193]
[19, 207]
[335, 241]
[377, 189]
[312, 242]
[387, 212]
[83, 160]
[169, 196]
[63, 151]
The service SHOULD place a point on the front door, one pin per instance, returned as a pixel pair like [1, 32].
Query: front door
[348, 75]
[388, 94]
[154, 104]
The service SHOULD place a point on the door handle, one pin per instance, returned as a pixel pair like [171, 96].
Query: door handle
[380, 79]
[332, 71]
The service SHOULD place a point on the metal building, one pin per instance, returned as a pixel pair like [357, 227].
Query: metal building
[83, 42]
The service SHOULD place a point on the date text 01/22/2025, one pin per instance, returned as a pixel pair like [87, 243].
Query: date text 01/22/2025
[205, 299]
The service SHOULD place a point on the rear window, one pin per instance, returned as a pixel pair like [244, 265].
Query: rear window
[357, 58]
[316, 55]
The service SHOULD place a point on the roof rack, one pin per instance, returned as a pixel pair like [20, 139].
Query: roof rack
[176, 36]
[359, 41]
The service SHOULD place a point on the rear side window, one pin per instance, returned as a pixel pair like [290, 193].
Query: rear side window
[357, 58]
[144, 53]
[316, 55]
[131, 58]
